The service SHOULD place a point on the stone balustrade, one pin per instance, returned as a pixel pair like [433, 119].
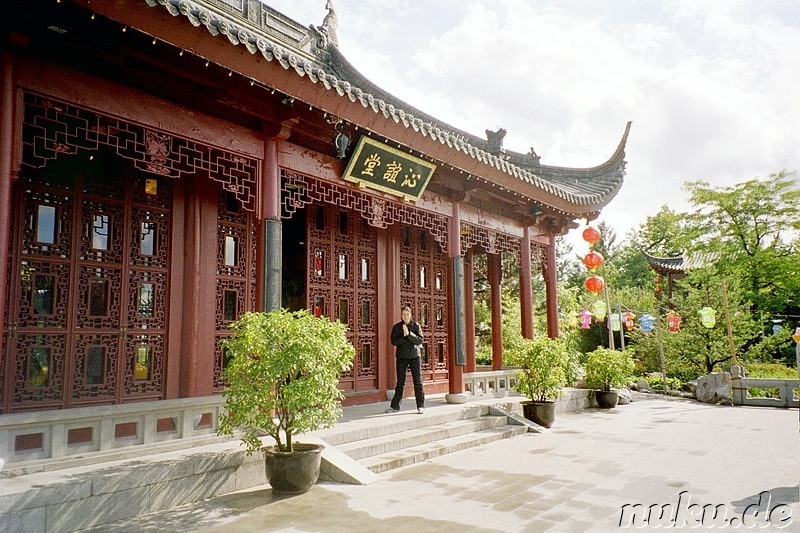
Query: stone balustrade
[788, 398]
[740, 387]
[42, 437]
[497, 382]
[500, 383]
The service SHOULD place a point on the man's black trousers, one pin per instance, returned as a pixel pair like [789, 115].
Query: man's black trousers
[416, 374]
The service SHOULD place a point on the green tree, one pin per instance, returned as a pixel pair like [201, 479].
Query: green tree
[751, 227]
[607, 245]
[706, 348]
[661, 235]
[747, 234]
[569, 267]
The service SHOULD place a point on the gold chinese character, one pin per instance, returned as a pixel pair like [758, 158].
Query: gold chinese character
[410, 180]
[370, 163]
[392, 170]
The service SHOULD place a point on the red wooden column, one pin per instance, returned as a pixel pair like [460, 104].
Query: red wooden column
[469, 309]
[200, 260]
[495, 278]
[388, 312]
[173, 384]
[458, 356]
[525, 288]
[551, 296]
[270, 274]
[270, 268]
[6, 171]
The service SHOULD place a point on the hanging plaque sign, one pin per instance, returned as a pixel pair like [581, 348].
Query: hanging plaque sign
[379, 166]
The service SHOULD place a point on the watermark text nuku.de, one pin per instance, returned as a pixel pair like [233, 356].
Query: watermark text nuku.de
[684, 513]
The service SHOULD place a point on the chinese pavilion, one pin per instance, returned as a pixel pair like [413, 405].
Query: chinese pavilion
[674, 268]
[167, 165]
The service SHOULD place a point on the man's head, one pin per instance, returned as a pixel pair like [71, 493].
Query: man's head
[405, 314]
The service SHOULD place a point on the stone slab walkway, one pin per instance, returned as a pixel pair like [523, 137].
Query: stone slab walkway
[685, 458]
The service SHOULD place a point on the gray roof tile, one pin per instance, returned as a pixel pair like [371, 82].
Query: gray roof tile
[589, 188]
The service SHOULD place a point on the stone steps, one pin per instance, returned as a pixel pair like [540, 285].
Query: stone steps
[414, 454]
[391, 424]
[363, 448]
[405, 438]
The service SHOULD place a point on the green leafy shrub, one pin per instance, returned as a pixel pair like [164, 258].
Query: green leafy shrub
[684, 372]
[606, 368]
[573, 370]
[774, 347]
[656, 382]
[283, 375]
[541, 363]
[768, 370]
[483, 356]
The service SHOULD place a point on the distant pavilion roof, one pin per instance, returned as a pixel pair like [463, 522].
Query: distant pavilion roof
[679, 264]
[312, 52]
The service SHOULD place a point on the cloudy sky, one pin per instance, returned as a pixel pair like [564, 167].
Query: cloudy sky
[712, 86]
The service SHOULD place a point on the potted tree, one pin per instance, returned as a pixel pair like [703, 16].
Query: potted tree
[541, 375]
[281, 380]
[605, 369]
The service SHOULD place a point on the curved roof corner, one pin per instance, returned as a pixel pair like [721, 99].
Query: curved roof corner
[312, 52]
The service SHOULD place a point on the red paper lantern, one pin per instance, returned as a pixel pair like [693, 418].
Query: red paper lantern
[595, 284]
[658, 290]
[591, 235]
[593, 259]
[658, 280]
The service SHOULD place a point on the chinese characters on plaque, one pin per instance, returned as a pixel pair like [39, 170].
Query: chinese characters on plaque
[384, 168]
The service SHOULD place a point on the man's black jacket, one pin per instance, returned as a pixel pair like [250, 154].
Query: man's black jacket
[407, 346]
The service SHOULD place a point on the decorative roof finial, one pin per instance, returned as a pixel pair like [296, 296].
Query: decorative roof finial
[494, 141]
[329, 25]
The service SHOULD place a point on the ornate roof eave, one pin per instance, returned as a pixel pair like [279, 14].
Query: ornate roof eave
[680, 264]
[603, 180]
[577, 192]
[666, 265]
[597, 186]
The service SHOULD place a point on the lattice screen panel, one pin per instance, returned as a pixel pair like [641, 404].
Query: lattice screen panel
[299, 191]
[53, 128]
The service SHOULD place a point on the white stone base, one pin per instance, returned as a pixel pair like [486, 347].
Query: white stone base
[456, 398]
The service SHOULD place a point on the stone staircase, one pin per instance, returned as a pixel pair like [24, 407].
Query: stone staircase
[405, 439]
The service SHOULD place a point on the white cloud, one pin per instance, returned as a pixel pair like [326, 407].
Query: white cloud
[710, 85]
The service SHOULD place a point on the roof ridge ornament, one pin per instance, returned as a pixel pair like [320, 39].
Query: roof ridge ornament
[575, 192]
[494, 141]
[532, 158]
[328, 29]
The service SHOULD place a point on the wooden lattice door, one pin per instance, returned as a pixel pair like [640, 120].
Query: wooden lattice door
[342, 284]
[423, 287]
[236, 273]
[89, 286]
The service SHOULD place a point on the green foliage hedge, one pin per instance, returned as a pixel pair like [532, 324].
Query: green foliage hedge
[768, 370]
[656, 382]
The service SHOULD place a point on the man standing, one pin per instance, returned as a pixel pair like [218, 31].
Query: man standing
[407, 337]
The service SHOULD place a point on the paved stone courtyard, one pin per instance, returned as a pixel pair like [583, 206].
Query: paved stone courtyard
[576, 476]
